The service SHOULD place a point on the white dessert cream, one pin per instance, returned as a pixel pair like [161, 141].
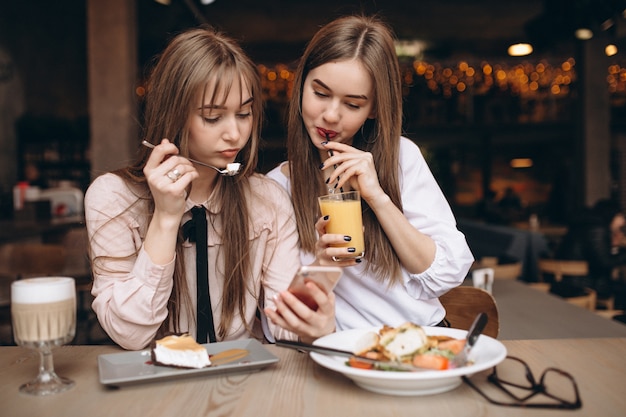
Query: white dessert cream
[180, 351]
[233, 168]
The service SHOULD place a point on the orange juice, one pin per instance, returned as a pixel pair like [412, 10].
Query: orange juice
[345, 219]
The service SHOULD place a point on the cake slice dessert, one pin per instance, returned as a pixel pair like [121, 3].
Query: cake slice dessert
[180, 351]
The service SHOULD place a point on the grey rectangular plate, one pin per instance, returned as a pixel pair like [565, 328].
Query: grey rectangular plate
[127, 368]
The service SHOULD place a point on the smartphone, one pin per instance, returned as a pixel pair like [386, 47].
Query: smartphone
[326, 277]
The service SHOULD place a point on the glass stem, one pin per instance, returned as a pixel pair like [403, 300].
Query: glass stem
[46, 366]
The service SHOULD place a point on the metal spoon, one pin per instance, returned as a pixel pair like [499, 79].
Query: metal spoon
[229, 171]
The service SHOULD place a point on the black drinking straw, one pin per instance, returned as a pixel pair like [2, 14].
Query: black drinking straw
[330, 152]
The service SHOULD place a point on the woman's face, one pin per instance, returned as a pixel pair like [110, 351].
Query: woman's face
[337, 98]
[218, 132]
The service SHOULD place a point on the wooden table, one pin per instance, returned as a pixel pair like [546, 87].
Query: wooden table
[297, 386]
[528, 313]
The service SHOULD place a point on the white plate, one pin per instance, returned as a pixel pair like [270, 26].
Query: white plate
[487, 352]
[118, 369]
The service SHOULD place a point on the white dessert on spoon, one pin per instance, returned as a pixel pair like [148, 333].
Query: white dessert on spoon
[231, 169]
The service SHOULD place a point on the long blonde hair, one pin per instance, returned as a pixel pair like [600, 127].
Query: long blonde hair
[371, 42]
[192, 60]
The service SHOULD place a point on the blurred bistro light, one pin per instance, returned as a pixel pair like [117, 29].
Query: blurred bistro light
[410, 48]
[524, 79]
[521, 163]
[583, 34]
[610, 50]
[168, 2]
[521, 79]
[520, 49]
[140, 90]
[539, 80]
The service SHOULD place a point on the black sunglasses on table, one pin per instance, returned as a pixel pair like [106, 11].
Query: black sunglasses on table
[518, 383]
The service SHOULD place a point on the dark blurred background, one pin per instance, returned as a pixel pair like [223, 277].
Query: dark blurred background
[548, 127]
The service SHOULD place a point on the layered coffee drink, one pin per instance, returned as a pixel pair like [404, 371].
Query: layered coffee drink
[43, 311]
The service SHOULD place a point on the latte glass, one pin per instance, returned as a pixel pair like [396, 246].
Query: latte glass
[43, 313]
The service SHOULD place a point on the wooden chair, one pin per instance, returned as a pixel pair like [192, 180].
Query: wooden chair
[507, 271]
[488, 261]
[560, 268]
[77, 266]
[23, 260]
[463, 304]
[512, 270]
[587, 301]
[6, 336]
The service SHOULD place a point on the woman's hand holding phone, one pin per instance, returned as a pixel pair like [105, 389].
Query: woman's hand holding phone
[297, 309]
[326, 277]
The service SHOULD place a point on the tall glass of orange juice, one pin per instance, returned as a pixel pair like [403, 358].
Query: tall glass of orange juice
[344, 211]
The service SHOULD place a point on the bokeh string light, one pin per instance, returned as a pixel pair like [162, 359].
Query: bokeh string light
[539, 81]
[520, 79]
[277, 82]
[524, 79]
[616, 79]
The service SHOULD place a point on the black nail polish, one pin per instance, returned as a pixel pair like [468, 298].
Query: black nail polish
[325, 142]
[351, 250]
[347, 238]
[358, 261]
[336, 184]
[327, 180]
[326, 217]
[322, 165]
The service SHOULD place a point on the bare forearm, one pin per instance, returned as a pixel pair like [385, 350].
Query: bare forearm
[415, 250]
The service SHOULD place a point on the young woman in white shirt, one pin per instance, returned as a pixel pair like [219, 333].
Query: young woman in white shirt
[344, 131]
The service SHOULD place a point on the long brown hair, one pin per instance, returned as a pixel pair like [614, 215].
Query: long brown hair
[191, 61]
[371, 41]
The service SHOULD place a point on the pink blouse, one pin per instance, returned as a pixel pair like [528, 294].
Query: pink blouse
[131, 292]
